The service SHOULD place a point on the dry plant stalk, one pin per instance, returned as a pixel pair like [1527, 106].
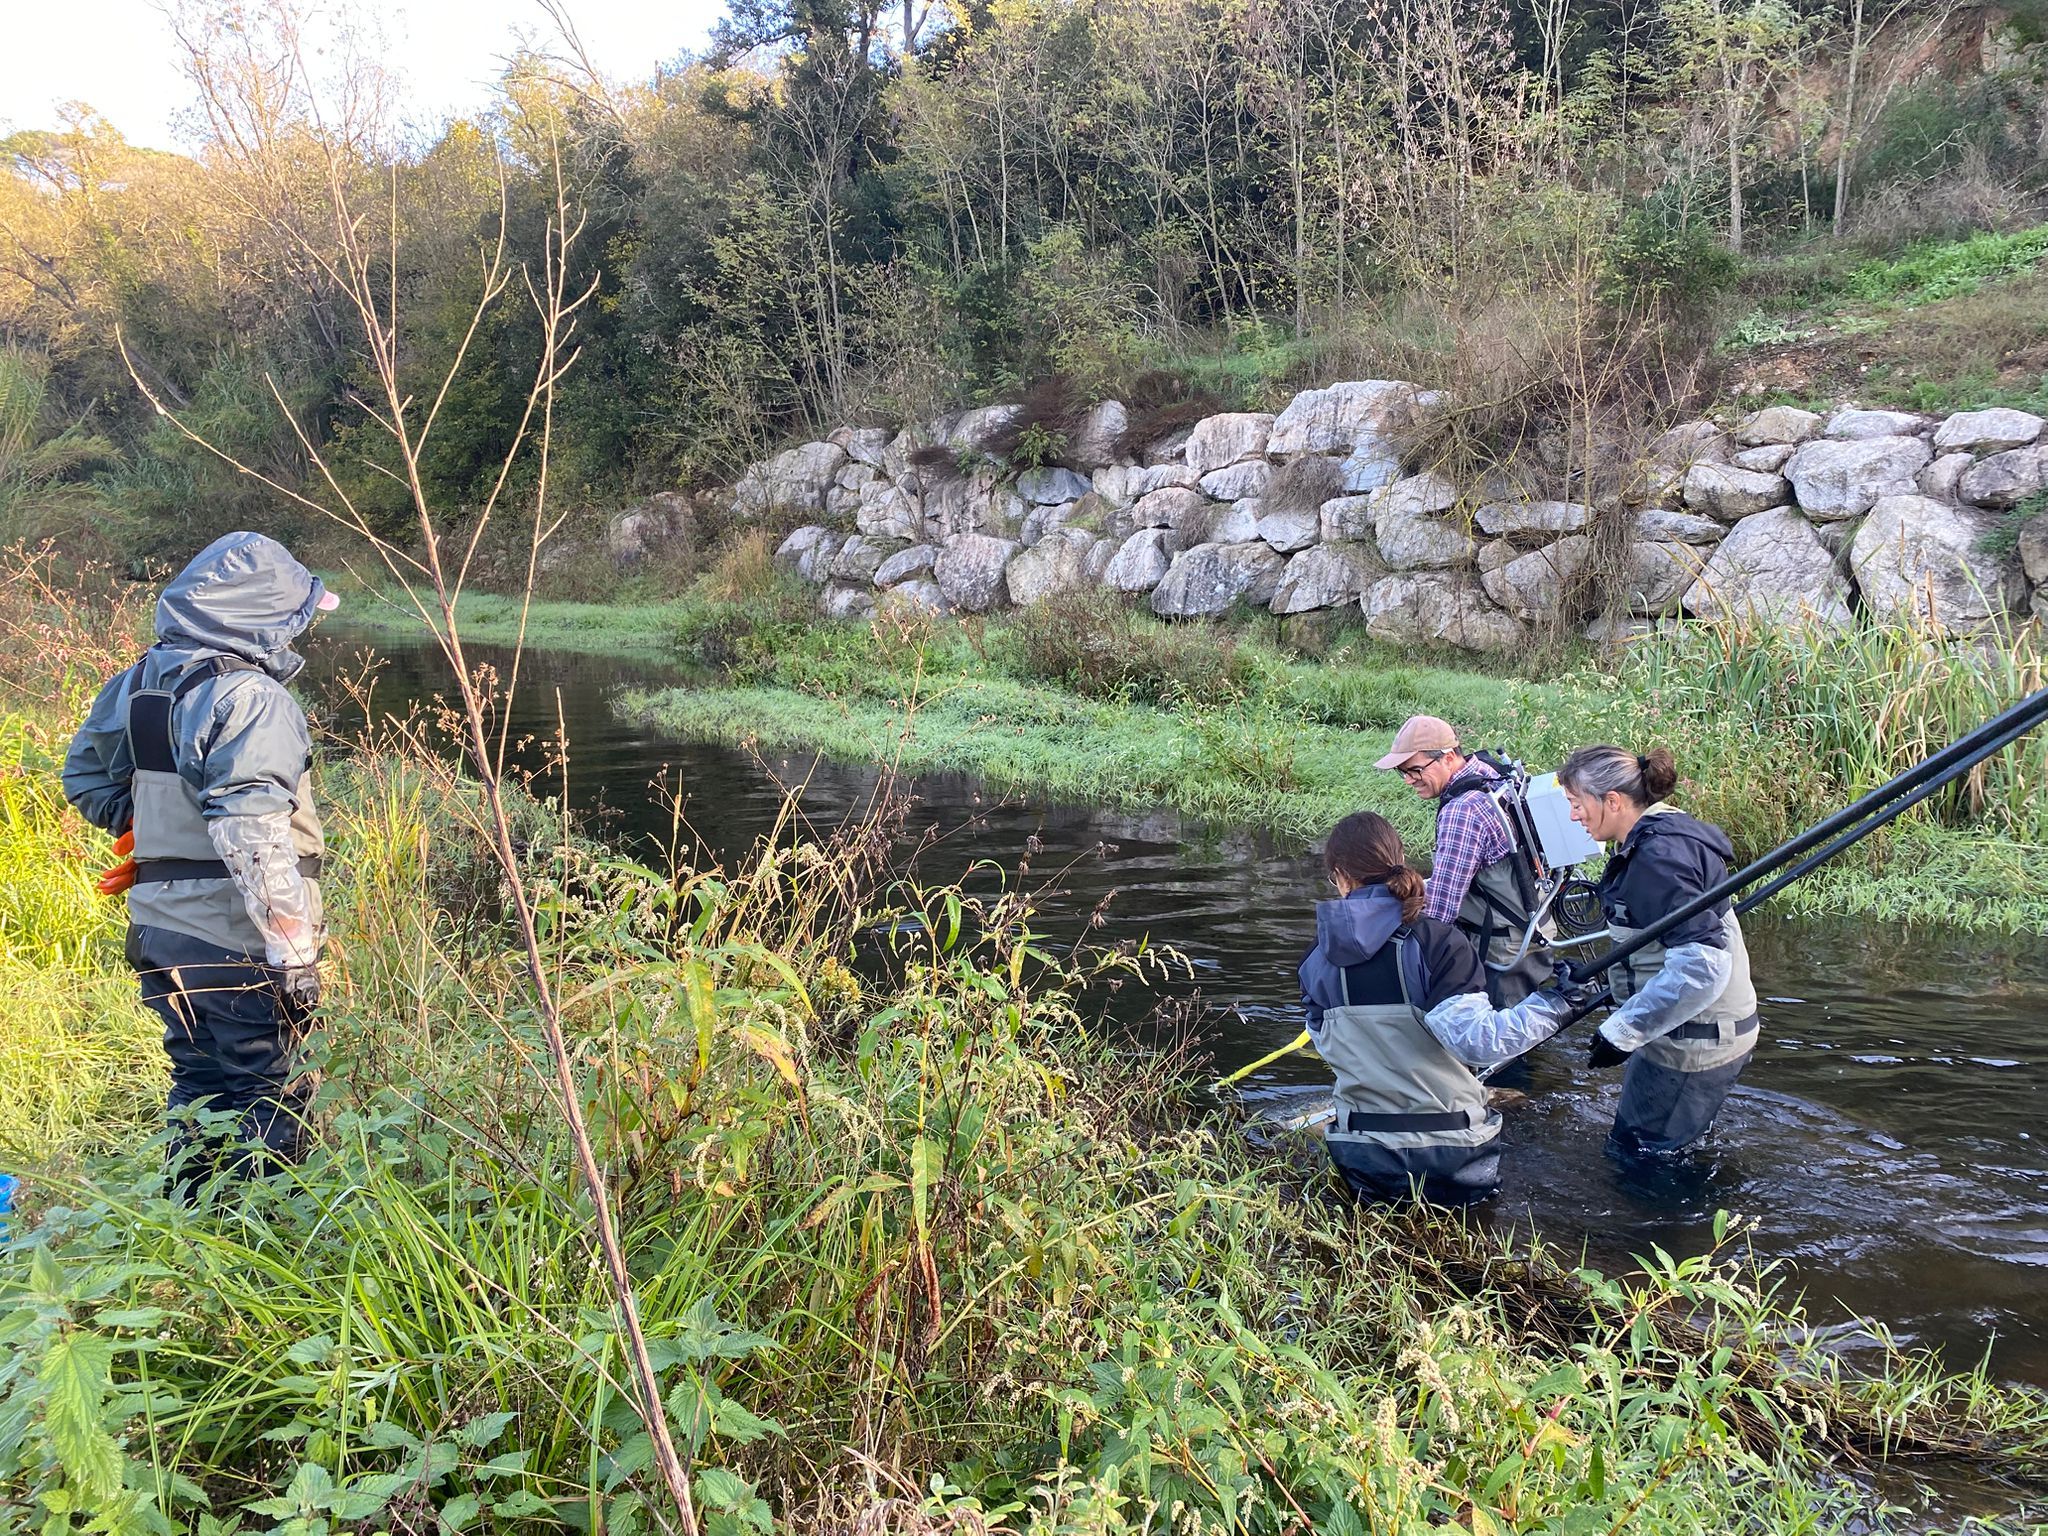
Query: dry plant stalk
[432, 581]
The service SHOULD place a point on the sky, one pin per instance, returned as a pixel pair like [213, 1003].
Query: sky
[118, 56]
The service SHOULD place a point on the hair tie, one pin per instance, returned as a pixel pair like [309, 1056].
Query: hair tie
[1642, 764]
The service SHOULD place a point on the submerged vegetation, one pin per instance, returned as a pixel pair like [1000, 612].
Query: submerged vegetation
[917, 1245]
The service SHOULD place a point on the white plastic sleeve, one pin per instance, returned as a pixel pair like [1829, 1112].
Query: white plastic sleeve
[264, 864]
[1692, 976]
[1478, 1034]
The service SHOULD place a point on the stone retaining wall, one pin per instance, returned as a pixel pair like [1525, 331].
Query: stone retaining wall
[1784, 514]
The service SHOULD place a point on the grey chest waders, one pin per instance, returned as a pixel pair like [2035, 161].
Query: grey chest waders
[181, 882]
[1724, 1031]
[1407, 1110]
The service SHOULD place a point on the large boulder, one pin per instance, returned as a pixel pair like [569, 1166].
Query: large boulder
[1207, 581]
[906, 564]
[1916, 557]
[888, 511]
[1420, 495]
[1056, 563]
[2006, 479]
[1096, 441]
[1216, 523]
[1234, 482]
[1768, 460]
[1836, 479]
[977, 503]
[1291, 530]
[970, 570]
[1325, 577]
[847, 600]
[1415, 542]
[1729, 493]
[1346, 517]
[1339, 418]
[809, 552]
[1660, 573]
[1992, 431]
[973, 429]
[1850, 424]
[860, 557]
[1943, 479]
[1777, 424]
[1507, 517]
[1690, 443]
[1536, 586]
[795, 480]
[1771, 568]
[918, 595]
[1141, 561]
[1227, 439]
[1374, 462]
[1122, 485]
[1051, 485]
[1167, 507]
[2034, 562]
[865, 445]
[637, 533]
[1444, 607]
[1661, 526]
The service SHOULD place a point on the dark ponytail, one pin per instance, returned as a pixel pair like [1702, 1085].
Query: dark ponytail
[1366, 850]
[1600, 771]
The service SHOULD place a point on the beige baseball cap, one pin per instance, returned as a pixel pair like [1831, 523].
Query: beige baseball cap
[1419, 733]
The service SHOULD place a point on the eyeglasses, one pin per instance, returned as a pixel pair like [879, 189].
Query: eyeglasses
[1413, 771]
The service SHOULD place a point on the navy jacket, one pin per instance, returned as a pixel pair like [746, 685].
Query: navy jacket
[1663, 863]
[1351, 943]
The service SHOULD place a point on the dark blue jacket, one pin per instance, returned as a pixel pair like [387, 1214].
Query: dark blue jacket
[1664, 862]
[1351, 945]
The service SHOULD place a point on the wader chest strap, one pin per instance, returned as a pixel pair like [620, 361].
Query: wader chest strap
[1707, 1029]
[1357, 1122]
[158, 871]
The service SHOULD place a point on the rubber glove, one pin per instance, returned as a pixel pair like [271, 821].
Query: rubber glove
[117, 878]
[1604, 1052]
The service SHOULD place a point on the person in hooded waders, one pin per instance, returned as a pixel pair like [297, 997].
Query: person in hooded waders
[1479, 880]
[1686, 1016]
[1397, 1006]
[199, 758]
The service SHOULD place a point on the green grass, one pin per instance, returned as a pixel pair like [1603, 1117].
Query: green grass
[640, 628]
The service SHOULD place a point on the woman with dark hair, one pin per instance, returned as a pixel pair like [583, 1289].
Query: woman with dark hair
[1397, 1006]
[1686, 1020]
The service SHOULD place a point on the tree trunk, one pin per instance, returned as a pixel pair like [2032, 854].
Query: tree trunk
[1848, 128]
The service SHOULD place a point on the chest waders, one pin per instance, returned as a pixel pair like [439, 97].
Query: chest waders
[181, 883]
[1495, 914]
[1409, 1114]
[1674, 1085]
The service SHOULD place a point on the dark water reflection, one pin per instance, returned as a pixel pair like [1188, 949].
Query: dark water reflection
[1888, 1140]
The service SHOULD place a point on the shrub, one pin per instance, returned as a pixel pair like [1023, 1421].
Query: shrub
[1098, 644]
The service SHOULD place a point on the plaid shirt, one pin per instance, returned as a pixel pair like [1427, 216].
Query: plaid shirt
[1470, 834]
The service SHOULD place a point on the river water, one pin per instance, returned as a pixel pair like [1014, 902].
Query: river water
[1888, 1140]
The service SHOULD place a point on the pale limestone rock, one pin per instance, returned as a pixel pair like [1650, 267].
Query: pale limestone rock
[905, 564]
[1730, 494]
[1510, 517]
[1227, 439]
[1166, 507]
[1768, 460]
[1983, 432]
[1438, 606]
[1141, 562]
[1774, 569]
[1095, 440]
[1339, 418]
[1290, 531]
[1915, 557]
[1659, 526]
[970, 571]
[1943, 478]
[1210, 579]
[1234, 482]
[795, 480]
[1778, 424]
[1835, 479]
[1326, 577]
[847, 600]
[2005, 479]
[1056, 563]
[887, 511]
[1051, 485]
[1851, 425]
[919, 595]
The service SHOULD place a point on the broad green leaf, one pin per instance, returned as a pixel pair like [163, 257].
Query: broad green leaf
[483, 1429]
[74, 1375]
[460, 1512]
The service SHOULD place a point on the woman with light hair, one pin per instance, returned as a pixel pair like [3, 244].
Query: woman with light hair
[1685, 1023]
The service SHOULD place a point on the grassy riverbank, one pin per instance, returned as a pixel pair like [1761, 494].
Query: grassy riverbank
[1088, 702]
[923, 1251]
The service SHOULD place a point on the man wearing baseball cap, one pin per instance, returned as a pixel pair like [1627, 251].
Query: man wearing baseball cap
[198, 759]
[1475, 877]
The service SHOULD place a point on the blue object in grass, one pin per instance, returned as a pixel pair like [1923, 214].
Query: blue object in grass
[6, 1202]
